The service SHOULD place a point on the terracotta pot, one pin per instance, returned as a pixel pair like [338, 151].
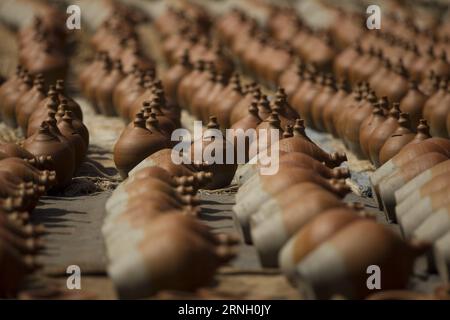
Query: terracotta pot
[423, 209]
[382, 133]
[434, 100]
[173, 77]
[401, 137]
[435, 184]
[226, 101]
[223, 171]
[190, 244]
[256, 190]
[15, 267]
[137, 143]
[163, 159]
[354, 123]
[10, 100]
[408, 153]
[65, 126]
[104, 91]
[442, 257]
[413, 103]
[315, 232]
[295, 159]
[437, 118]
[433, 227]
[271, 232]
[393, 182]
[300, 143]
[426, 177]
[332, 108]
[28, 103]
[26, 172]
[348, 253]
[304, 97]
[46, 143]
[190, 83]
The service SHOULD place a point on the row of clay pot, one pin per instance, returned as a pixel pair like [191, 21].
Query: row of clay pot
[152, 238]
[413, 189]
[23, 180]
[363, 51]
[52, 123]
[429, 100]
[186, 29]
[18, 244]
[42, 46]
[119, 70]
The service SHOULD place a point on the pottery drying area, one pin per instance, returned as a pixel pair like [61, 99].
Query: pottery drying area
[74, 215]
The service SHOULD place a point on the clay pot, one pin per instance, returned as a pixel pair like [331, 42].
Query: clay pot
[10, 85]
[300, 143]
[104, 90]
[291, 78]
[226, 101]
[401, 137]
[413, 103]
[65, 126]
[261, 187]
[437, 117]
[442, 257]
[163, 159]
[14, 268]
[173, 77]
[408, 153]
[190, 83]
[240, 111]
[189, 244]
[294, 159]
[10, 100]
[382, 133]
[271, 232]
[424, 208]
[440, 66]
[434, 100]
[203, 102]
[357, 245]
[315, 232]
[137, 143]
[46, 143]
[215, 145]
[304, 97]
[345, 60]
[354, 123]
[26, 172]
[425, 177]
[14, 150]
[367, 127]
[72, 105]
[433, 227]
[27, 104]
[438, 182]
[332, 108]
[346, 107]
[393, 182]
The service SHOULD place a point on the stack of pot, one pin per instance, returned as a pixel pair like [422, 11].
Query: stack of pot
[42, 45]
[153, 239]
